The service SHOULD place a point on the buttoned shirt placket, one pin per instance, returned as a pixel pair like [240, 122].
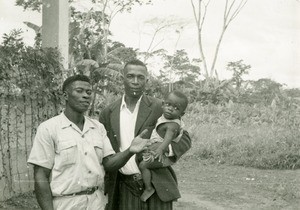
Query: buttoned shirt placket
[127, 128]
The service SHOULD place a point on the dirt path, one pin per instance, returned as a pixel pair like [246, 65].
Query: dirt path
[229, 187]
[194, 201]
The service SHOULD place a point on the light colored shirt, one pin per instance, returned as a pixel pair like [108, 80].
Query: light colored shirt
[127, 127]
[74, 156]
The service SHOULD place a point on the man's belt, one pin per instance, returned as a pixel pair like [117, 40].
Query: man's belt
[131, 178]
[133, 183]
[88, 191]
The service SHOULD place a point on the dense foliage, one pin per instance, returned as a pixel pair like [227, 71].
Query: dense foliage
[32, 72]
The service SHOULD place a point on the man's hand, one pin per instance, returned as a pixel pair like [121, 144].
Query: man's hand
[138, 144]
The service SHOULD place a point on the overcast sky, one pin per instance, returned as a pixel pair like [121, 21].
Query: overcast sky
[266, 34]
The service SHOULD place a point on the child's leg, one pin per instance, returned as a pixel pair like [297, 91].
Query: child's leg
[146, 175]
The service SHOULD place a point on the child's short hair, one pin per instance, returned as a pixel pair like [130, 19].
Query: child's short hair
[180, 95]
[71, 79]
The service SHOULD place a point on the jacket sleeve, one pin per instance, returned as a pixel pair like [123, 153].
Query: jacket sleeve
[182, 146]
[102, 118]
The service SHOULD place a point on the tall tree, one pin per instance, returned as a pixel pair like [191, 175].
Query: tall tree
[238, 69]
[89, 40]
[200, 7]
[109, 9]
[178, 67]
[156, 28]
[102, 12]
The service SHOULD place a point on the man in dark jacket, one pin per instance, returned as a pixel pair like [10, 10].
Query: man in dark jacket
[124, 119]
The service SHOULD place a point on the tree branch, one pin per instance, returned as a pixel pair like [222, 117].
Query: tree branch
[226, 23]
[199, 30]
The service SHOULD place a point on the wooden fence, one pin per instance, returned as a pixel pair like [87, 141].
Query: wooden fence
[19, 117]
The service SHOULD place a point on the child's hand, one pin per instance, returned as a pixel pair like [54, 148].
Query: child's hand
[148, 156]
[158, 154]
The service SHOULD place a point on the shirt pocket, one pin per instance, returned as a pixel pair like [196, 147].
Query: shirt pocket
[98, 146]
[66, 154]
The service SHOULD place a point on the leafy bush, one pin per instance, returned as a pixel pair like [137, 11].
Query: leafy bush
[30, 72]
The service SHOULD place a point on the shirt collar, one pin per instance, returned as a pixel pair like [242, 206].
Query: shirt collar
[65, 122]
[124, 105]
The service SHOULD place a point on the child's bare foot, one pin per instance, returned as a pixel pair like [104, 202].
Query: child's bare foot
[146, 194]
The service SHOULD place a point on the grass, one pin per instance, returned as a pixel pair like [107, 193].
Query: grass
[219, 137]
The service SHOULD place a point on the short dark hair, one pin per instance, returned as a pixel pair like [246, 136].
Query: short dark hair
[136, 62]
[71, 79]
[181, 95]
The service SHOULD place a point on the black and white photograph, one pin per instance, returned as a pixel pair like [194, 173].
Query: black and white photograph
[149, 104]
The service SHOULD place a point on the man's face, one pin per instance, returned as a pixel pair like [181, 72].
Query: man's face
[78, 96]
[135, 79]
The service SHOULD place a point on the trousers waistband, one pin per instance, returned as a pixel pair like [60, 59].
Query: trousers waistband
[131, 177]
[132, 183]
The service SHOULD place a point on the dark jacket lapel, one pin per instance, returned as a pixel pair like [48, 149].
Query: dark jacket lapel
[115, 122]
[143, 114]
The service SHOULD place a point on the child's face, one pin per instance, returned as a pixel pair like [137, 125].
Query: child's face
[173, 107]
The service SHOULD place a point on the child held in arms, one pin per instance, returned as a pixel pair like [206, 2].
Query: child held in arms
[168, 128]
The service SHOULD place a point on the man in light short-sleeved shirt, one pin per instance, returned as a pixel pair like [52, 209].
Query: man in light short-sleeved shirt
[74, 156]
[71, 151]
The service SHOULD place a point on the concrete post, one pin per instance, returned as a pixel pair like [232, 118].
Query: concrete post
[55, 27]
